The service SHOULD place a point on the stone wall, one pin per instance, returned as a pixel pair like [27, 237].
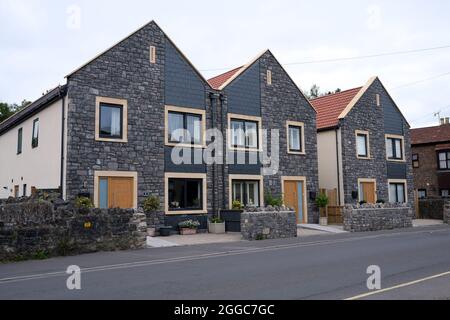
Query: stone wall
[447, 212]
[269, 224]
[431, 209]
[377, 217]
[38, 229]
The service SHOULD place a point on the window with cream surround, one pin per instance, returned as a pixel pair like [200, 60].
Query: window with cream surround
[295, 137]
[398, 191]
[362, 144]
[395, 148]
[111, 120]
[185, 193]
[244, 133]
[247, 189]
[185, 127]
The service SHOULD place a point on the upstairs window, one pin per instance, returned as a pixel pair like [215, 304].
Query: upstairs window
[394, 148]
[415, 159]
[244, 134]
[185, 128]
[111, 121]
[444, 160]
[362, 144]
[19, 140]
[296, 137]
[35, 137]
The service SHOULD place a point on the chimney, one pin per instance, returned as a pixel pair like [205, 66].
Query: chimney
[447, 120]
[442, 122]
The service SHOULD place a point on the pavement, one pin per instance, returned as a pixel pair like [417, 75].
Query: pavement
[414, 264]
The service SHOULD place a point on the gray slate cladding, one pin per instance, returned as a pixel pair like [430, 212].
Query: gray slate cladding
[125, 72]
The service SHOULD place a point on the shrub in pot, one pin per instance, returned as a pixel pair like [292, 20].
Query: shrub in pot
[216, 226]
[322, 202]
[188, 227]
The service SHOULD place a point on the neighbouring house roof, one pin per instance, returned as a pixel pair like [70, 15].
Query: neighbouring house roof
[329, 108]
[431, 135]
[38, 105]
[220, 80]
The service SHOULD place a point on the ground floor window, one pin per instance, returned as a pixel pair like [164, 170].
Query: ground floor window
[246, 192]
[397, 193]
[445, 193]
[422, 193]
[185, 194]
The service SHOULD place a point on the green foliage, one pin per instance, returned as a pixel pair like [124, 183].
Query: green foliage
[273, 201]
[260, 237]
[7, 110]
[151, 204]
[40, 255]
[216, 220]
[65, 247]
[237, 205]
[189, 224]
[83, 203]
[322, 200]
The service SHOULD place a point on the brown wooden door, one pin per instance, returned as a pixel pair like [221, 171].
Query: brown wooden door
[368, 189]
[120, 193]
[292, 198]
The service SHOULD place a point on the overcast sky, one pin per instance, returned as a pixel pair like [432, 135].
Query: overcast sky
[41, 41]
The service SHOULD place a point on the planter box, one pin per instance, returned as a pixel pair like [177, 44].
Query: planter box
[324, 221]
[232, 220]
[217, 228]
[188, 232]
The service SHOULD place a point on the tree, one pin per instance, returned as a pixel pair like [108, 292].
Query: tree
[314, 92]
[7, 110]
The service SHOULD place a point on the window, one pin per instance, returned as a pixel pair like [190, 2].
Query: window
[111, 121]
[35, 138]
[394, 148]
[415, 159]
[19, 141]
[445, 193]
[246, 192]
[185, 194]
[244, 134]
[397, 192]
[362, 144]
[422, 193]
[185, 128]
[444, 160]
[296, 137]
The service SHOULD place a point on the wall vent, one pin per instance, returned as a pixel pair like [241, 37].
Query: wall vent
[269, 77]
[378, 100]
[152, 54]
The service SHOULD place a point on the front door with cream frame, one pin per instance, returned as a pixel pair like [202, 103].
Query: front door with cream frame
[294, 198]
[116, 192]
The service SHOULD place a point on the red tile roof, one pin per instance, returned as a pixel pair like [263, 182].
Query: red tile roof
[330, 107]
[219, 80]
[431, 135]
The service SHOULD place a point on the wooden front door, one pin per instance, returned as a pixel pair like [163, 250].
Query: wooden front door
[368, 192]
[120, 193]
[293, 198]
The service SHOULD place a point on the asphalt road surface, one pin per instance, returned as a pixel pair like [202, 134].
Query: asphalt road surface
[414, 264]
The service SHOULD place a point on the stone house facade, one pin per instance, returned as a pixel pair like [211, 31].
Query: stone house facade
[431, 161]
[126, 113]
[371, 143]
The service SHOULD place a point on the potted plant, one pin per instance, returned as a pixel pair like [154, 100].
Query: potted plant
[322, 202]
[216, 225]
[151, 206]
[188, 227]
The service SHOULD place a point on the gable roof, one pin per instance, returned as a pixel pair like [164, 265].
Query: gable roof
[431, 135]
[38, 105]
[329, 108]
[221, 79]
[132, 34]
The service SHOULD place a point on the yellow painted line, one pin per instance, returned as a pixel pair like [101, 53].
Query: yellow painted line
[412, 283]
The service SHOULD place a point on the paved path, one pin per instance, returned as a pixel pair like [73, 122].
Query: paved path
[316, 267]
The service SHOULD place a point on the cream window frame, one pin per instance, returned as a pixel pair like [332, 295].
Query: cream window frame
[240, 117]
[303, 140]
[398, 181]
[241, 177]
[402, 138]
[184, 110]
[367, 134]
[124, 104]
[198, 176]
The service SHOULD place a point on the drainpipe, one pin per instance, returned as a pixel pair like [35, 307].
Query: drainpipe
[63, 129]
[224, 145]
[213, 97]
[338, 166]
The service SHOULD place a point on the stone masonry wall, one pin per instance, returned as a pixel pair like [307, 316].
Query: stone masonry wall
[268, 225]
[447, 212]
[38, 229]
[377, 218]
[431, 208]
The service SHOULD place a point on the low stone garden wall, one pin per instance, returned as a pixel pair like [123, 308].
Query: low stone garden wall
[268, 223]
[431, 209]
[447, 212]
[377, 217]
[38, 229]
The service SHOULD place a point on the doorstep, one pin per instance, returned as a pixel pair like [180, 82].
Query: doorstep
[197, 239]
[326, 229]
[426, 223]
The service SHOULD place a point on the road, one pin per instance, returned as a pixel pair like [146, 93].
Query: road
[415, 264]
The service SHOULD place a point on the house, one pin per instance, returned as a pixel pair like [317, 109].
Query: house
[364, 146]
[117, 130]
[431, 160]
